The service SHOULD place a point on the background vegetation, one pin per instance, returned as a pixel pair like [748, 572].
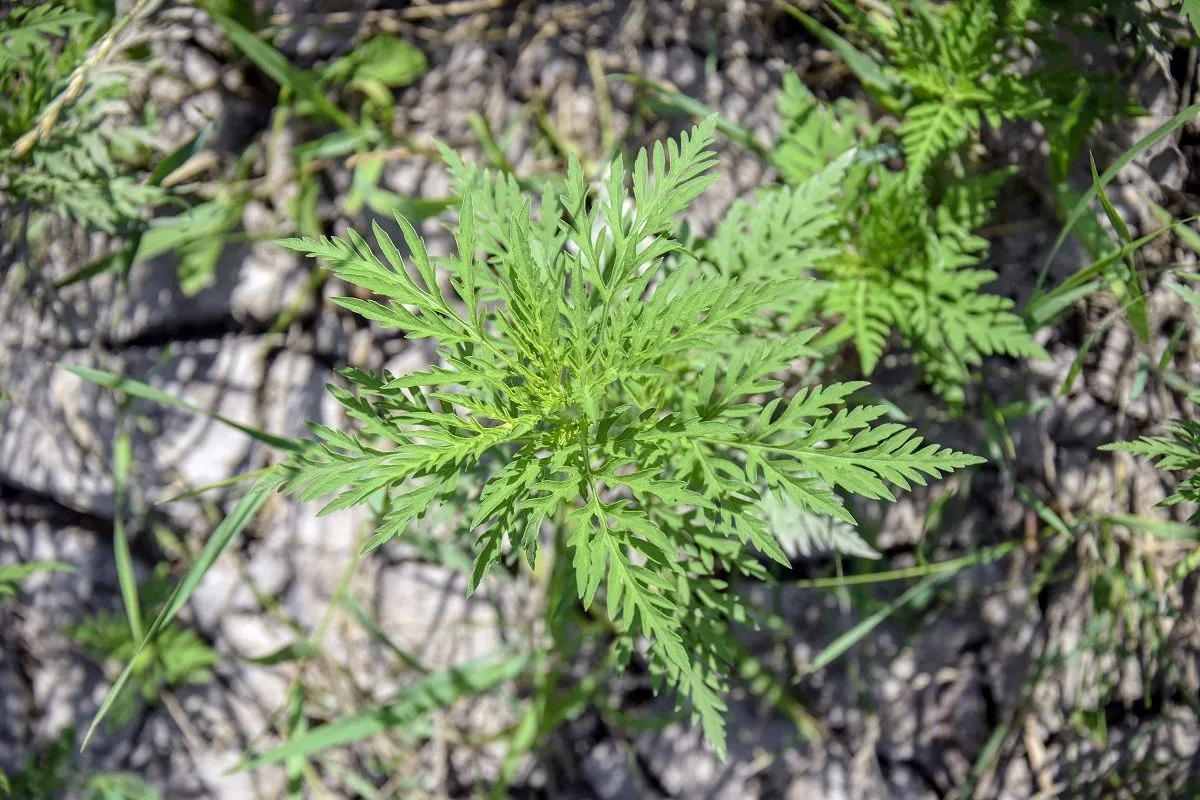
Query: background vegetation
[486, 398]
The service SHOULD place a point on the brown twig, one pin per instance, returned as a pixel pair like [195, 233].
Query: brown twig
[354, 159]
[458, 8]
[603, 101]
[175, 709]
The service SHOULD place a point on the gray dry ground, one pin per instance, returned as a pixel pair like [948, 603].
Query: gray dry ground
[906, 722]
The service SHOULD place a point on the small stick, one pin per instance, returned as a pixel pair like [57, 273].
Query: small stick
[454, 9]
[603, 101]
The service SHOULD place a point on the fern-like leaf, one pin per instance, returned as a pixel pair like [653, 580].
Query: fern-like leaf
[593, 372]
[1176, 451]
[928, 130]
[29, 29]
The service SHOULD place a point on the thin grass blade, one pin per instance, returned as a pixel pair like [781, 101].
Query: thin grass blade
[1081, 205]
[432, 692]
[221, 538]
[841, 644]
[122, 458]
[136, 388]
[1132, 282]
[861, 64]
[280, 70]
[689, 105]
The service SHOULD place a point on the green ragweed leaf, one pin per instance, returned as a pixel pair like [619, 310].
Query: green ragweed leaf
[607, 390]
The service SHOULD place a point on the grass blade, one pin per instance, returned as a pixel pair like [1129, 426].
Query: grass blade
[280, 70]
[1077, 364]
[841, 644]
[1051, 305]
[1044, 307]
[1110, 211]
[1085, 348]
[1047, 514]
[231, 481]
[221, 538]
[432, 692]
[1081, 205]
[296, 651]
[690, 105]
[11, 575]
[180, 155]
[372, 628]
[89, 271]
[487, 141]
[297, 724]
[985, 556]
[1168, 530]
[145, 391]
[1184, 568]
[1132, 283]
[122, 458]
[861, 64]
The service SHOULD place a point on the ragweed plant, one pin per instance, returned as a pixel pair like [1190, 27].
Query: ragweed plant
[907, 260]
[943, 69]
[897, 256]
[617, 396]
[948, 71]
[63, 151]
[1176, 450]
[951, 71]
